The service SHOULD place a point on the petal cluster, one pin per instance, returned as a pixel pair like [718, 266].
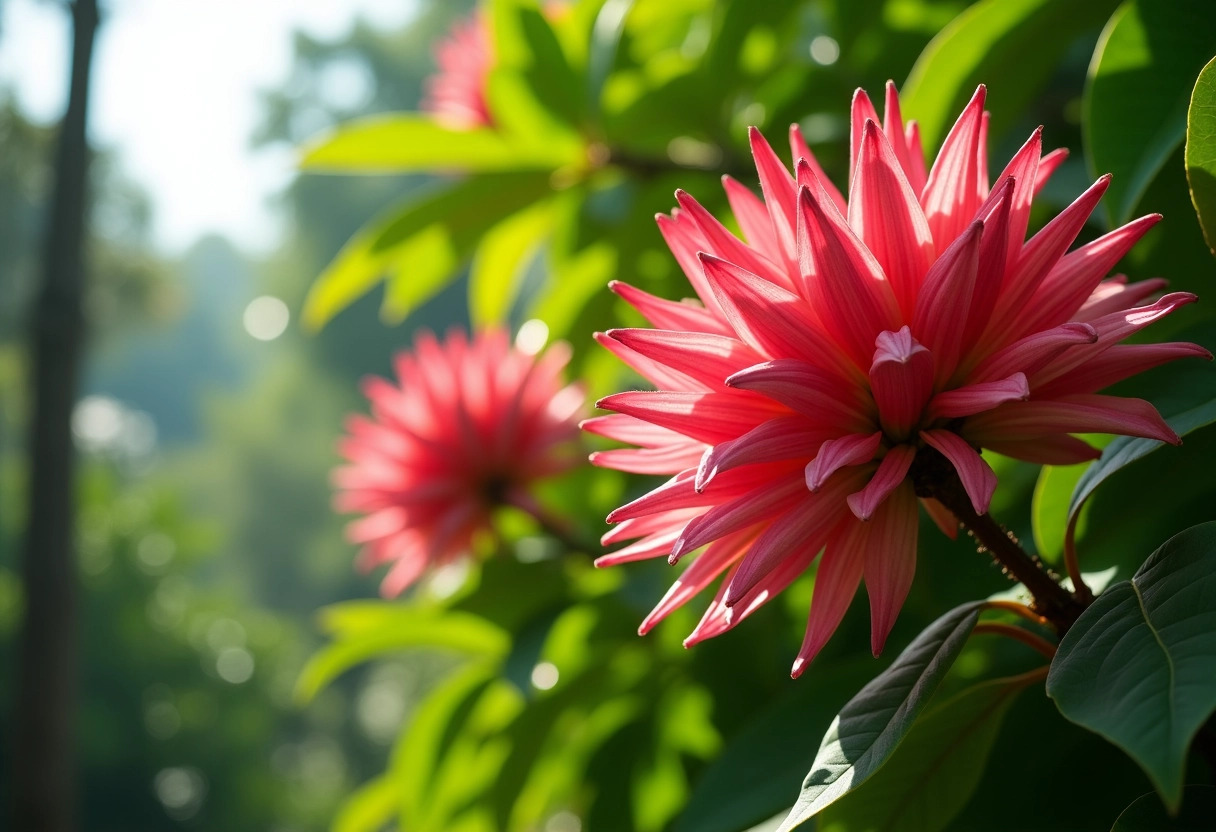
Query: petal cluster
[845, 337]
[470, 426]
[456, 93]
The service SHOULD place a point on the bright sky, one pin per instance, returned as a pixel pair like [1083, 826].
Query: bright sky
[175, 92]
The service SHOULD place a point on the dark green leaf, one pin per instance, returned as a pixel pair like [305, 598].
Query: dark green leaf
[1139, 666]
[929, 779]
[402, 142]
[1013, 46]
[1201, 151]
[1139, 85]
[1125, 450]
[1146, 814]
[869, 729]
[758, 774]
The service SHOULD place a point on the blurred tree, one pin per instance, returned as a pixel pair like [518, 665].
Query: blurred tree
[44, 784]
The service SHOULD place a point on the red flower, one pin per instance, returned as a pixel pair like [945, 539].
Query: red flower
[456, 93]
[471, 427]
[841, 340]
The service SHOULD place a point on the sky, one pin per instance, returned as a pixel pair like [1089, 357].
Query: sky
[175, 94]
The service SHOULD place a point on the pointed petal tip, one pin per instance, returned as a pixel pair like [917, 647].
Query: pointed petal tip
[798, 668]
[858, 507]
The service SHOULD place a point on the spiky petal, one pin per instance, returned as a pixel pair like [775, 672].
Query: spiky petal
[843, 342]
[469, 426]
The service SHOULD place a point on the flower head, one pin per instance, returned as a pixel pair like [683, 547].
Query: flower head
[471, 426]
[847, 339]
[456, 93]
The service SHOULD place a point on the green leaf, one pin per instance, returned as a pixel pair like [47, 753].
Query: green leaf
[369, 808]
[932, 775]
[404, 142]
[1139, 666]
[1146, 814]
[871, 726]
[1124, 450]
[421, 243]
[1140, 81]
[501, 258]
[416, 758]
[363, 630]
[1201, 151]
[758, 772]
[1013, 46]
[1049, 505]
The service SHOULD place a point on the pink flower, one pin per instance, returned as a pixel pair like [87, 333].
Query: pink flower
[456, 93]
[843, 340]
[471, 427]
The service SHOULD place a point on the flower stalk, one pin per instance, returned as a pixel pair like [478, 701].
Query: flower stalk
[935, 477]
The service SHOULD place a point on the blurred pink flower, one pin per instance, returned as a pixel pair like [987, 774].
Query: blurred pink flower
[456, 93]
[841, 341]
[471, 427]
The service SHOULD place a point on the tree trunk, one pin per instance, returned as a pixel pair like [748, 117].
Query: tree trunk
[43, 764]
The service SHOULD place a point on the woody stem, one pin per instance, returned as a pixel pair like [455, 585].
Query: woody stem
[935, 477]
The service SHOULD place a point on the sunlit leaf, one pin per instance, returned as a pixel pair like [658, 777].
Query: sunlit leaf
[1013, 46]
[369, 808]
[933, 773]
[1139, 86]
[421, 244]
[527, 49]
[1139, 665]
[1201, 151]
[1049, 505]
[501, 259]
[440, 716]
[871, 726]
[366, 630]
[404, 142]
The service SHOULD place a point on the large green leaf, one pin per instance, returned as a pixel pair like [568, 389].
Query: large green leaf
[363, 630]
[420, 244]
[1139, 85]
[1125, 450]
[932, 775]
[871, 726]
[1146, 814]
[1013, 46]
[404, 142]
[1201, 151]
[1139, 666]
